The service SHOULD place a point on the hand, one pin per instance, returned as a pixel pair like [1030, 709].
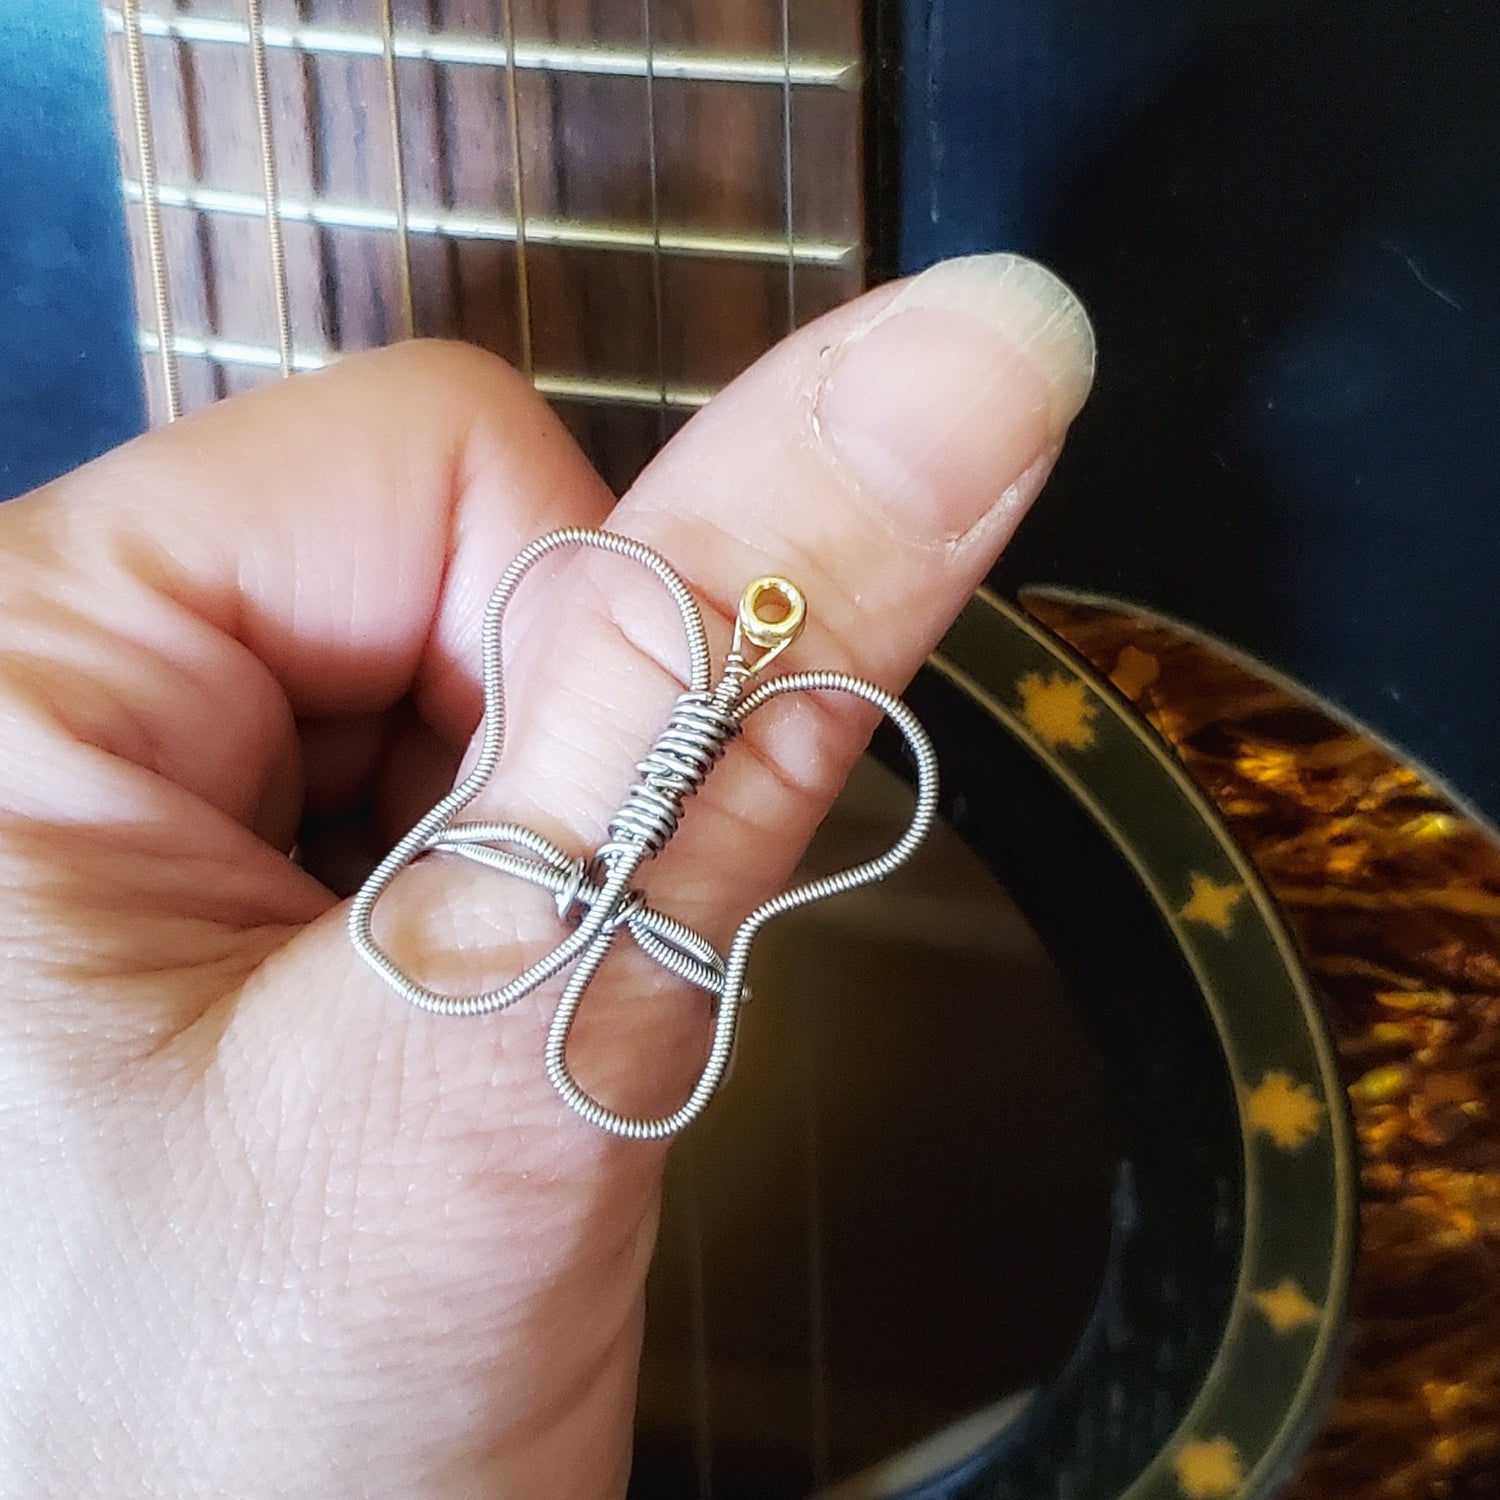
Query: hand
[270, 1231]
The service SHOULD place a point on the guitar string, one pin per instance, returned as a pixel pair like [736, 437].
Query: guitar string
[702, 1409]
[398, 168]
[453, 168]
[518, 198]
[657, 305]
[465, 49]
[697, 1278]
[788, 211]
[817, 1301]
[811, 1083]
[275, 236]
[156, 245]
[321, 270]
[702, 1387]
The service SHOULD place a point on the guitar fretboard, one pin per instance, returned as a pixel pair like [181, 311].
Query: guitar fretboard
[630, 201]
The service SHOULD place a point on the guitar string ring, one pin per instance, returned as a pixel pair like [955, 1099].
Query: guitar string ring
[595, 893]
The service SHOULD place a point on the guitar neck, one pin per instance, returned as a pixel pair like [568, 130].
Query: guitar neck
[629, 201]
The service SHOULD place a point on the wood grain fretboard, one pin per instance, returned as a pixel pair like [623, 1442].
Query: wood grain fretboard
[595, 189]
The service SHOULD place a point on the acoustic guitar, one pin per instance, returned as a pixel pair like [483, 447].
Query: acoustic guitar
[1044, 1171]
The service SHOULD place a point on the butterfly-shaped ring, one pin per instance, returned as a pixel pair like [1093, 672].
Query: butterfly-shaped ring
[595, 892]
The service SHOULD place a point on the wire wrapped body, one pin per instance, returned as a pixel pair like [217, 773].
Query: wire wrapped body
[597, 892]
[691, 745]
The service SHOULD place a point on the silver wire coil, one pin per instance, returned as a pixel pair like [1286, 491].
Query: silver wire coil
[597, 891]
[692, 744]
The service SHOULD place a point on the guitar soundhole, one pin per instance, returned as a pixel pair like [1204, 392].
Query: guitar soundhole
[897, 1214]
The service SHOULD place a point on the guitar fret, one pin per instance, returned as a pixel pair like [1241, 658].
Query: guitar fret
[228, 352]
[600, 391]
[565, 233]
[592, 389]
[536, 55]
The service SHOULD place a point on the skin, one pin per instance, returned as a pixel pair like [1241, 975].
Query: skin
[269, 1230]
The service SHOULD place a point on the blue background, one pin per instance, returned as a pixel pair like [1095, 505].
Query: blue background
[70, 385]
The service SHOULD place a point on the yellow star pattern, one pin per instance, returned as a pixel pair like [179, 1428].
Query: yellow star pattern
[1212, 904]
[1287, 1307]
[1209, 1471]
[1058, 710]
[1286, 1110]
